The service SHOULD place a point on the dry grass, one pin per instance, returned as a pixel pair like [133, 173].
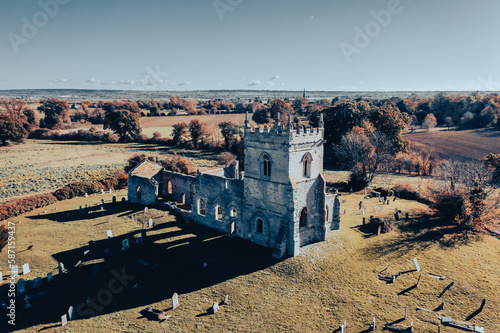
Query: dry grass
[328, 283]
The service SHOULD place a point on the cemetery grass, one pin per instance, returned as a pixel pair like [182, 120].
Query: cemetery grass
[41, 166]
[328, 283]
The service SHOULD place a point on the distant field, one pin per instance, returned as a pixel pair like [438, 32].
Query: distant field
[460, 145]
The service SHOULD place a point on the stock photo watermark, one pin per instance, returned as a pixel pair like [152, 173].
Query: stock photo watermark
[11, 255]
[487, 84]
[94, 305]
[31, 27]
[363, 37]
[223, 6]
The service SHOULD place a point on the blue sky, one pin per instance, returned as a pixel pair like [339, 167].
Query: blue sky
[250, 44]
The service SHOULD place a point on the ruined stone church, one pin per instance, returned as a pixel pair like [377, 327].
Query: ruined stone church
[279, 201]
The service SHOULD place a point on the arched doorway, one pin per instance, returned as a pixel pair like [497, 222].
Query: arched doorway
[303, 217]
[139, 194]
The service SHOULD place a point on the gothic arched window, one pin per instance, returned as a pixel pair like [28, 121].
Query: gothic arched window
[306, 168]
[266, 166]
[303, 217]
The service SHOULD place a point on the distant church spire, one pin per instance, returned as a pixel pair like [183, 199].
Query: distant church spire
[304, 93]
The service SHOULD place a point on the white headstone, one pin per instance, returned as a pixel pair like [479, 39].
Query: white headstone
[215, 307]
[21, 286]
[71, 313]
[175, 301]
[125, 244]
[26, 269]
[61, 268]
[363, 211]
[375, 208]
[133, 219]
[64, 320]
[110, 190]
[102, 191]
[37, 282]
[397, 210]
[381, 208]
[146, 210]
[417, 267]
[1, 278]
[86, 195]
[150, 222]
[49, 277]
[110, 218]
[86, 252]
[343, 327]
[110, 234]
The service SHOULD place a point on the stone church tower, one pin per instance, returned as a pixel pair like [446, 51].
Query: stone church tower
[284, 191]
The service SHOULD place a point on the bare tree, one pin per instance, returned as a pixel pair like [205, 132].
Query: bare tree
[364, 154]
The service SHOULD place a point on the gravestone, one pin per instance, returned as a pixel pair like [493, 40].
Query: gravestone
[372, 326]
[114, 199]
[215, 308]
[26, 269]
[233, 228]
[78, 263]
[175, 301]
[415, 262]
[360, 204]
[364, 220]
[102, 191]
[375, 208]
[110, 219]
[146, 210]
[64, 320]
[125, 244]
[132, 218]
[61, 268]
[110, 234]
[226, 300]
[1, 278]
[396, 216]
[102, 201]
[110, 190]
[407, 215]
[49, 277]
[343, 327]
[21, 286]
[102, 207]
[86, 252]
[381, 208]
[86, 195]
[138, 240]
[363, 211]
[37, 282]
[150, 222]
[71, 313]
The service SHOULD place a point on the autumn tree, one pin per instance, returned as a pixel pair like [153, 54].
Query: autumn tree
[197, 130]
[229, 132]
[56, 112]
[18, 110]
[429, 122]
[123, 123]
[180, 133]
[391, 122]
[11, 130]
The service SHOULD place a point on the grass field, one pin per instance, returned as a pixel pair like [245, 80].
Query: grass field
[328, 283]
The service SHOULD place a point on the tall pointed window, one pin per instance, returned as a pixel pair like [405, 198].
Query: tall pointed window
[139, 194]
[303, 217]
[306, 167]
[202, 207]
[266, 165]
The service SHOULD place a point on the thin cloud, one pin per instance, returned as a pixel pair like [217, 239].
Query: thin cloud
[274, 78]
[255, 83]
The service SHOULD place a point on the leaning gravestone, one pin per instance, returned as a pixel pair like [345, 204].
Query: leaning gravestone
[375, 209]
[49, 277]
[1, 278]
[64, 320]
[71, 313]
[21, 286]
[146, 210]
[102, 191]
[125, 244]
[26, 269]
[381, 208]
[215, 308]
[417, 267]
[86, 195]
[110, 234]
[61, 268]
[175, 301]
[37, 282]
[150, 222]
